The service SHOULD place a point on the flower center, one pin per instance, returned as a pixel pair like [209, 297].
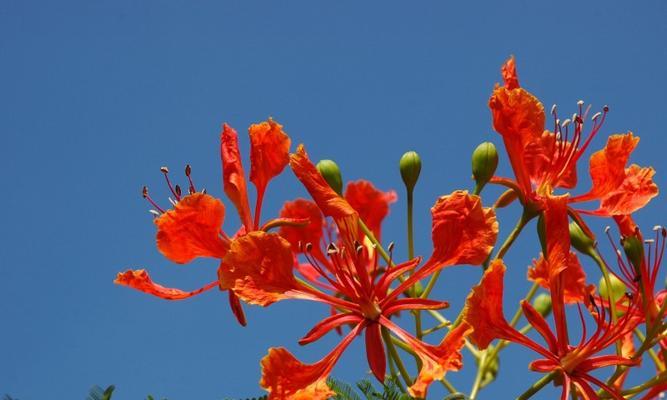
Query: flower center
[371, 310]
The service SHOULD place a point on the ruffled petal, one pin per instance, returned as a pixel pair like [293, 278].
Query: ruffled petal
[575, 289]
[371, 204]
[463, 231]
[259, 268]
[329, 202]
[519, 117]
[538, 161]
[141, 281]
[233, 176]
[192, 229]
[621, 190]
[311, 233]
[269, 152]
[286, 378]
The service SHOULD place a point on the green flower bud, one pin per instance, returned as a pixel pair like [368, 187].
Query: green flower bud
[580, 240]
[542, 304]
[331, 173]
[484, 163]
[634, 250]
[618, 288]
[410, 166]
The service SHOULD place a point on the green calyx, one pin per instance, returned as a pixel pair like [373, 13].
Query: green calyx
[542, 304]
[618, 288]
[484, 163]
[580, 240]
[331, 173]
[634, 250]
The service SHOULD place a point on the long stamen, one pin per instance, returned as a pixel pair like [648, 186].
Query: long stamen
[188, 172]
[144, 194]
[165, 172]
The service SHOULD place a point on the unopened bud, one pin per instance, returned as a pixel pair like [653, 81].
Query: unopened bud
[542, 304]
[506, 198]
[484, 163]
[410, 166]
[331, 173]
[580, 240]
[618, 288]
[634, 250]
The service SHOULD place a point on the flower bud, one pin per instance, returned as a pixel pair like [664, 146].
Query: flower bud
[618, 288]
[484, 163]
[542, 304]
[331, 173]
[580, 240]
[506, 198]
[410, 166]
[634, 250]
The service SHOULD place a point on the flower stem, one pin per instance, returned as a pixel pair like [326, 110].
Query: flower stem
[478, 377]
[526, 216]
[537, 386]
[393, 354]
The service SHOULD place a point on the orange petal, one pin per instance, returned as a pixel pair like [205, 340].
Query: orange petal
[621, 190]
[141, 281]
[371, 204]
[269, 152]
[287, 378]
[538, 161]
[259, 268]
[484, 308]
[329, 202]
[192, 229]
[574, 278]
[519, 117]
[311, 233]
[233, 176]
[463, 231]
[626, 225]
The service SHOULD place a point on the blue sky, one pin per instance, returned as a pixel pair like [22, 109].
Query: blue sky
[96, 96]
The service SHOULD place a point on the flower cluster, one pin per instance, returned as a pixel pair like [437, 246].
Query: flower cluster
[329, 250]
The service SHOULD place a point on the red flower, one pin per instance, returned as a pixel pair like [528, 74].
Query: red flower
[543, 161]
[193, 227]
[573, 362]
[367, 301]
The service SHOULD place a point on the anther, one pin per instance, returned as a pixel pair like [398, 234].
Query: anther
[657, 228]
[605, 108]
[607, 229]
[164, 170]
[144, 192]
[309, 247]
[332, 249]
[178, 190]
[156, 213]
[580, 103]
[596, 116]
[553, 110]
[391, 246]
[188, 170]
[566, 123]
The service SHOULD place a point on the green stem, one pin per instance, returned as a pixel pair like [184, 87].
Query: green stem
[656, 360]
[537, 386]
[435, 328]
[448, 385]
[411, 239]
[526, 216]
[478, 377]
[394, 374]
[393, 354]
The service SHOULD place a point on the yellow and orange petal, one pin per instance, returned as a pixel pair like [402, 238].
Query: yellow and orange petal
[371, 204]
[192, 229]
[621, 190]
[311, 233]
[538, 161]
[269, 152]
[463, 231]
[141, 281]
[259, 268]
[574, 278]
[484, 307]
[330, 203]
[233, 176]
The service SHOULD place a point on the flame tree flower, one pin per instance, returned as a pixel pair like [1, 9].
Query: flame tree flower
[193, 227]
[369, 301]
[569, 363]
[543, 161]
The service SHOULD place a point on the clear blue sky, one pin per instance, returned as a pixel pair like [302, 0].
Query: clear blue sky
[96, 96]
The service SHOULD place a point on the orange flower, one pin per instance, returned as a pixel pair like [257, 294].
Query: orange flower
[364, 298]
[573, 362]
[543, 161]
[193, 227]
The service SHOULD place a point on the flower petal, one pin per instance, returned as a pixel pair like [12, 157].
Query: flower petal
[233, 176]
[463, 231]
[621, 190]
[377, 359]
[519, 117]
[371, 204]
[287, 378]
[269, 152]
[192, 229]
[329, 202]
[326, 325]
[311, 233]
[575, 289]
[237, 308]
[141, 281]
[259, 268]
